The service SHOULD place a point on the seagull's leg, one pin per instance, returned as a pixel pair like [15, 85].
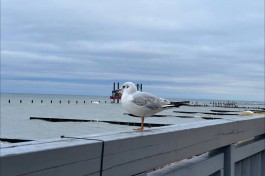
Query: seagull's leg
[142, 124]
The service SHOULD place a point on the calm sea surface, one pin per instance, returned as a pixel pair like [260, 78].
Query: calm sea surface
[16, 123]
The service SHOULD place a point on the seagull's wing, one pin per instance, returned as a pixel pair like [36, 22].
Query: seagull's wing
[148, 100]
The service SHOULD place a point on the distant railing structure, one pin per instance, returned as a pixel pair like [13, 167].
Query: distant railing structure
[228, 104]
[225, 147]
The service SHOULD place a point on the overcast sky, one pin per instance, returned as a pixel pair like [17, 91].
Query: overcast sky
[210, 49]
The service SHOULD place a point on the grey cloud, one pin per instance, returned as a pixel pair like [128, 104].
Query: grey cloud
[184, 45]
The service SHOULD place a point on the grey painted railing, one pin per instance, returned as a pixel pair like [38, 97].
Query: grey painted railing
[228, 147]
[241, 159]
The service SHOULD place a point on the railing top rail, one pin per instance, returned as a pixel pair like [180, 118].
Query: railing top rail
[114, 153]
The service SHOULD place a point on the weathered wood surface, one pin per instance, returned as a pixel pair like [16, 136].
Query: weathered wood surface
[242, 152]
[127, 153]
[199, 166]
[251, 160]
[154, 148]
[243, 159]
[57, 157]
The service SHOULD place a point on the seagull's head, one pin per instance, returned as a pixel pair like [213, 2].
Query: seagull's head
[128, 88]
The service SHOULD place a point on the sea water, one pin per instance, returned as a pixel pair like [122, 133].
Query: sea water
[16, 110]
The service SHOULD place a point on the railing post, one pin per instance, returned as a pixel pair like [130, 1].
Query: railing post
[263, 161]
[229, 160]
[222, 172]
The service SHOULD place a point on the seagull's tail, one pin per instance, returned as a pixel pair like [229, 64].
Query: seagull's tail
[176, 104]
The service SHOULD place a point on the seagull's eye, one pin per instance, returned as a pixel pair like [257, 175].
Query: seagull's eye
[123, 87]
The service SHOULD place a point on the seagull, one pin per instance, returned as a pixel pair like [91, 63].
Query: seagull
[143, 104]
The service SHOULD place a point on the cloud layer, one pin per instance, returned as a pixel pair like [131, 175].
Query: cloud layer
[198, 49]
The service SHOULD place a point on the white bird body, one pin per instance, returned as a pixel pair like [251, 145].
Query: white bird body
[139, 107]
[143, 104]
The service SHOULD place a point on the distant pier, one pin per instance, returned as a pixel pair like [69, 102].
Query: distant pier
[116, 95]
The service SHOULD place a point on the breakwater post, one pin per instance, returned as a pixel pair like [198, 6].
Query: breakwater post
[55, 101]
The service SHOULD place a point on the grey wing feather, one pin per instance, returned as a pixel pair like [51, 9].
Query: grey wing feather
[153, 105]
[147, 100]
